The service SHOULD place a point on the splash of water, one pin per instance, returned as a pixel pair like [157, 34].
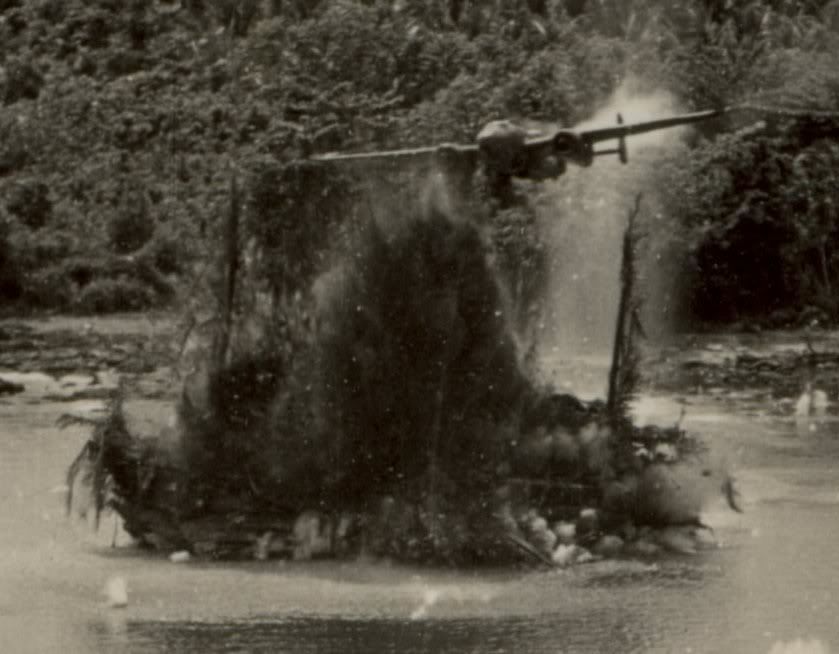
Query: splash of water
[432, 595]
[584, 215]
[800, 646]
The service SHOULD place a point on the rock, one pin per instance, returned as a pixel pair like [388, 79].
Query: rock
[565, 555]
[644, 547]
[609, 545]
[566, 532]
[541, 536]
[589, 516]
[537, 523]
[181, 556]
[666, 452]
[705, 539]
[584, 556]
[116, 592]
[677, 539]
[588, 526]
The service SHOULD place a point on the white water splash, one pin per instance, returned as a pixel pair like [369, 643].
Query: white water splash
[800, 646]
[810, 410]
[431, 596]
[584, 216]
[116, 592]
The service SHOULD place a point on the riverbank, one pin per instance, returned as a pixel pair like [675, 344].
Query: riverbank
[134, 345]
[778, 364]
[57, 345]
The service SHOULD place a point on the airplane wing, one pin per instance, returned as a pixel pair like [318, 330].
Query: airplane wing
[427, 154]
[630, 129]
[575, 144]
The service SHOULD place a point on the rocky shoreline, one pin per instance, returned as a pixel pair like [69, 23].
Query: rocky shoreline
[64, 345]
[780, 365]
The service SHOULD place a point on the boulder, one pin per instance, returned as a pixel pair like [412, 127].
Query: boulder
[566, 532]
[609, 545]
[588, 526]
[677, 539]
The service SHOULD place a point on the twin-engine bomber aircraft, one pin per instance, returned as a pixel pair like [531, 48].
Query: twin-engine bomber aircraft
[510, 150]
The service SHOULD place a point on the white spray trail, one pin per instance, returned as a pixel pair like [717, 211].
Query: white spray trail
[583, 217]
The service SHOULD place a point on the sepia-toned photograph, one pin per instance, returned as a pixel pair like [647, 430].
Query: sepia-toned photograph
[419, 326]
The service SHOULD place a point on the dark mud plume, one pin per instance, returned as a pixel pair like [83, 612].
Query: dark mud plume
[380, 406]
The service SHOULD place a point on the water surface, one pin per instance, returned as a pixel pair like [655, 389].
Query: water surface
[774, 578]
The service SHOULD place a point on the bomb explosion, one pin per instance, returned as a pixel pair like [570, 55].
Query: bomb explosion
[382, 402]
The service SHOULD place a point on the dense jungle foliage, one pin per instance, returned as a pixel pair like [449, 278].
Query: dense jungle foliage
[122, 123]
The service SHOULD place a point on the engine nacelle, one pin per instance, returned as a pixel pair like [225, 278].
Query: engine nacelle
[570, 146]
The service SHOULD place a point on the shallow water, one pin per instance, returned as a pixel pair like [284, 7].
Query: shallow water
[774, 578]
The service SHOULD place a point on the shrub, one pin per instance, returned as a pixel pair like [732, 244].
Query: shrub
[113, 295]
[131, 226]
[29, 200]
[48, 288]
[757, 215]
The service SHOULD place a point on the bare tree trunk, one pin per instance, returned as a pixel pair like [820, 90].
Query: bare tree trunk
[231, 264]
[623, 327]
[825, 270]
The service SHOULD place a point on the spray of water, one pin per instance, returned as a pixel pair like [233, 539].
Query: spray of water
[584, 216]
[800, 646]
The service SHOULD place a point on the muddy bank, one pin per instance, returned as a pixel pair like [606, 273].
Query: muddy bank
[142, 346]
[130, 344]
[779, 365]
[68, 358]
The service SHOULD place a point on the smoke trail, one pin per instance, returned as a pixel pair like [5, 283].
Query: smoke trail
[583, 215]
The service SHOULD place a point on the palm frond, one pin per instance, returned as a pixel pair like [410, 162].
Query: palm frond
[90, 461]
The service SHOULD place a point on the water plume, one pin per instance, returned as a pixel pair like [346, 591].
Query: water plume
[392, 392]
[583, 219]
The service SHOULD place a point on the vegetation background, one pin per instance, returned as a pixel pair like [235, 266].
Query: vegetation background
[122, 123]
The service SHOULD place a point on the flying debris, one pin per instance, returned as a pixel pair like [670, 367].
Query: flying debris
[732, 495]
